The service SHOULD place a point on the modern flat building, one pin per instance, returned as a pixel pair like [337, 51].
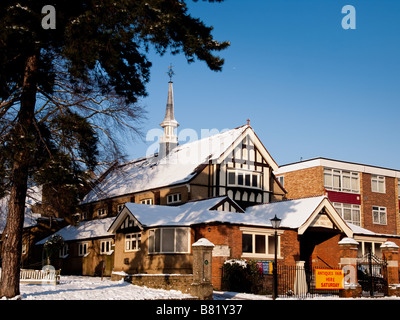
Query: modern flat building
[364, 195]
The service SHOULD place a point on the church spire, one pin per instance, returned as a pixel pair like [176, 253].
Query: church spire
[169, 139]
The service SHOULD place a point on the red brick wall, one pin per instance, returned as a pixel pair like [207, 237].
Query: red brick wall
[290, 248]
[232, 236]
[326, 248]
[387, 200]
[221, 235]
[327, 253]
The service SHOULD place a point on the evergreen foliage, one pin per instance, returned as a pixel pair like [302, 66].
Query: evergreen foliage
[52, 247]
[65, 91]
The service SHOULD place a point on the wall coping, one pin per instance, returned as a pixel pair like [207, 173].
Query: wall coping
[203, 242]
[348, 241]
[389, 244]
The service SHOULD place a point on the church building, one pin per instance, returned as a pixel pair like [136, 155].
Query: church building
[143, 216]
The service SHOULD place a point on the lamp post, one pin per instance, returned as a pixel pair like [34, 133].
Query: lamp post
[276, 222]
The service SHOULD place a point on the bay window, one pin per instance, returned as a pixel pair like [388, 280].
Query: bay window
[169, 240]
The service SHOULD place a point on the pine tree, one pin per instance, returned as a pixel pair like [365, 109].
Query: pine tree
[63, 90]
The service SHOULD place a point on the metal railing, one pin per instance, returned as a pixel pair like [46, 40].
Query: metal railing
[299, 282]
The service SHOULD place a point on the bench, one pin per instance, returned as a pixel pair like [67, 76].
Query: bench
[46, 276]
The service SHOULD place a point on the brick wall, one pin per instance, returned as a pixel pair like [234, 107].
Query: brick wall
[327, 253]
[387, 200]
[290, 248]
[304, 183]
[231, 236]
[181, 282]
[225, 235]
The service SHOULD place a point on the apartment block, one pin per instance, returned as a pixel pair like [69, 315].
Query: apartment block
[364, 195]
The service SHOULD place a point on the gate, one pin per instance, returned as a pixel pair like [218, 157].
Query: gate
[299, 282]
[372, 275]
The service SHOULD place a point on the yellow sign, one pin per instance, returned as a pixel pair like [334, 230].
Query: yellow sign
[329, 279]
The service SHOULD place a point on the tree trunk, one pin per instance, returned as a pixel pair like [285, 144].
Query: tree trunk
[12, 235]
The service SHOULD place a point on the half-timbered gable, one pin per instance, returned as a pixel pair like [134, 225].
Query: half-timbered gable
[233, 163]
[244, 172]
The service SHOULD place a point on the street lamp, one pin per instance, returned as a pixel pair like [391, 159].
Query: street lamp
[276, 222]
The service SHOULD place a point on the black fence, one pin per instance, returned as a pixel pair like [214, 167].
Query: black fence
[299, 282]
[372, 275]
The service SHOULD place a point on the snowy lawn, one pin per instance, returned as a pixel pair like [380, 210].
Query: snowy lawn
[93, 288]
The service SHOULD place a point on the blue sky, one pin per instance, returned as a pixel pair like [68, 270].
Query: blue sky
[309, 87]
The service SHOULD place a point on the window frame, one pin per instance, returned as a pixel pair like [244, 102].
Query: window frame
[171, 196]
[340, 207]
[64, 251]
[266, 233]
[83, 249]
[105, 250]
[380, 211]
[102, 212]
[244, 176]
[340, 175]
[281, 180]
[398, 188]
[120, 206]
[134, 237]
[147, 201]
[153, 245]
[379, 181]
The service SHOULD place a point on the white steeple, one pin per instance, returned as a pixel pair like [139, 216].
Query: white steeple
[169, 139]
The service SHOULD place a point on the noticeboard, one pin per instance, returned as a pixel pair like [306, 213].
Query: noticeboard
[329, 279]
[265, 267]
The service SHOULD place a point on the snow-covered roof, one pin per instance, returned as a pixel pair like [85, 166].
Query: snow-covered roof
[362, 231]
[183, 215]
[34, 196]
[295, 214]
[85, 230]
[179, 166]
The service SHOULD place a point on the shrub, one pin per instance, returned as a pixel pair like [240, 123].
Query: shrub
[241, 276]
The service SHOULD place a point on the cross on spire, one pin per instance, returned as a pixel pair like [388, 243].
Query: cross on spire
[170, 72]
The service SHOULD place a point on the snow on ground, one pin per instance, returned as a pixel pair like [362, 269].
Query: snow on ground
[93, 288]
